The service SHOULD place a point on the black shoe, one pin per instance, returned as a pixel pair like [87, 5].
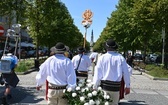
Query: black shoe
[8, 99]
[9, 96]
[2, 82]
[4, 102]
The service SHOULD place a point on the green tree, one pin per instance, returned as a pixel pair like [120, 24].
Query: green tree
[133, 25]
[14, 10]
[50, 22]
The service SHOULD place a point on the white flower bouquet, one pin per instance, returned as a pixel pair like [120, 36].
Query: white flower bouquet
[85, 95]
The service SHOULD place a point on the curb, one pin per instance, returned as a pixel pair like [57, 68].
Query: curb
[154, 78]
[142, 72]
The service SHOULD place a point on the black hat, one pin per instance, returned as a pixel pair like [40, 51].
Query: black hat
[60, 48]
[111, 44]
[80, 49]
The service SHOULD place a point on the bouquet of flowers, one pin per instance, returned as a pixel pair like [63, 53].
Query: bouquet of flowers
[85, 95]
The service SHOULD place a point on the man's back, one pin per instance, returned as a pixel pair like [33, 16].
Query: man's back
[56, 69]
[112, 64]
[84, 63]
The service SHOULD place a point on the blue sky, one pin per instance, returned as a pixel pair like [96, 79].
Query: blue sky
[101, 10]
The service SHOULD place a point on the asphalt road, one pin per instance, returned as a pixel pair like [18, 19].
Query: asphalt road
[144, 91]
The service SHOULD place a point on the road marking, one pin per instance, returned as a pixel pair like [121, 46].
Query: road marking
[144, 91]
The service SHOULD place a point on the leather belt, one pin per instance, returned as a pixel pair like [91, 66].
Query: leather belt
[82, 73]
[57, 87]
[110, 85]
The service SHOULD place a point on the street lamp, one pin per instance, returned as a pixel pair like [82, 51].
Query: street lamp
[16, 27]
[87, 15]
[163, 42]
[10, 32]
[86, 25]
[163, 39]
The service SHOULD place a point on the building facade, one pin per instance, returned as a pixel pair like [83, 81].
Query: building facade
[4, 22]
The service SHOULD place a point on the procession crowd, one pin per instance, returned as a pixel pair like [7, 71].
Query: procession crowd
[62, 73]
[110, 72]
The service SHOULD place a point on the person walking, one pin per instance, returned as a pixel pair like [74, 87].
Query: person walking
[59, 72]
[94, 57]
[9, 79]
[130, 59]
[109, 70]
[81, 63]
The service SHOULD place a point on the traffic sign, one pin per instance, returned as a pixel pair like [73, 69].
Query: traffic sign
[1, 30]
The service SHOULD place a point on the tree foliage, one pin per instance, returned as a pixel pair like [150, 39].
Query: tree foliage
[54, 24]
[49, 21]
[14, 10]
[136, 25]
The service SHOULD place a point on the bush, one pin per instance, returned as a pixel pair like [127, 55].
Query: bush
[21, 67]
[156, 71]
[27, 64]
[24, 65]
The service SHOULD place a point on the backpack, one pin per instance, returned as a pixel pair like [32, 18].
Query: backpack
[7, 65]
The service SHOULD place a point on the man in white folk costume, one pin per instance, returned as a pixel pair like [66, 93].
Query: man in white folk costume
[59, 72]
[109, 70]
[81, 63]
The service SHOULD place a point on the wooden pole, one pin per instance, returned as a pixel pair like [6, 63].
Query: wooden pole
[84, 44]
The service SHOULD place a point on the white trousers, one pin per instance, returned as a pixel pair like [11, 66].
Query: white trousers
[114, 95]
[55, 97]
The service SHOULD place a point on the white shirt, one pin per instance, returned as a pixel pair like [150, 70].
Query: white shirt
[129, 69]
[111, 66]
[85, 62]
[94, 56]
[58, 70]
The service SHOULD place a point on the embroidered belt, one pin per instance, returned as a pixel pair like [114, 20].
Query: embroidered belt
[82, 73]
[110, 85]
[57, 87]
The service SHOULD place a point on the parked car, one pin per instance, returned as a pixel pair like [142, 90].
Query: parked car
[138, 56]
[41, 53]
[153, 57]
[31, 53]
[22, 52]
